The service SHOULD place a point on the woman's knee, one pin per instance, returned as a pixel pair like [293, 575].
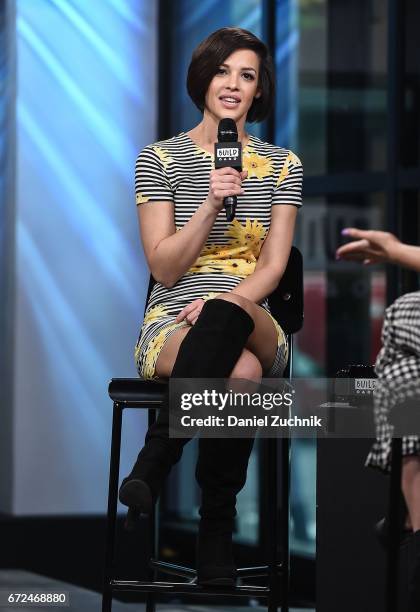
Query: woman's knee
[240, 300]
[248, 366]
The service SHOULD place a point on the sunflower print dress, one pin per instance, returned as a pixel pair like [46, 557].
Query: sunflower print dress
[177, 170]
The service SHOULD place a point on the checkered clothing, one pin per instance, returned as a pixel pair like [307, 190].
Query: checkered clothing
[398, 370]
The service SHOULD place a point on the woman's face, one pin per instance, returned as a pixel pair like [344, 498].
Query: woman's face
[234, 87]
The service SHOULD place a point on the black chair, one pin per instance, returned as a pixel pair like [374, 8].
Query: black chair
[286, 305]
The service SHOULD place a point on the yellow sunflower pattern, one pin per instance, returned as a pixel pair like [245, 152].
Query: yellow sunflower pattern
[291, 160]
[239, 256]
[153, 349]
[141, 199]
[258, 166]
[281, 336]
[163, 155]
[157, 312]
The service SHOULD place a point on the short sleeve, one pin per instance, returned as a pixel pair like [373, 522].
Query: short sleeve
[151, 178]
[288, 187]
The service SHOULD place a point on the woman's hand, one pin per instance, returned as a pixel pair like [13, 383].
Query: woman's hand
[190, 312]
[370, 246]
[224, 182]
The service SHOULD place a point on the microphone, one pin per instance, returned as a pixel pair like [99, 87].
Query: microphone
[228, 153]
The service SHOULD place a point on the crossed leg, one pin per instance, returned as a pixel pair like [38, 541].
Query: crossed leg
[257, 356]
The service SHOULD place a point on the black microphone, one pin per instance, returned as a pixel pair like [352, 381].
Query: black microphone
[228, 153]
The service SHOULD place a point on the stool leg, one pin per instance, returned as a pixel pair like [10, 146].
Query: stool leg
[150, 602]
[273, 577]
[285, 522]
[394, 510]
[114, 469]
[154, 550]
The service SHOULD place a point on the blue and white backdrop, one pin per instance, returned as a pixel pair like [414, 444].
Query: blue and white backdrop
[85, 105]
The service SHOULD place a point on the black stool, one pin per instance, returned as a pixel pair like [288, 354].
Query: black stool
[286, 306]
[405, 418]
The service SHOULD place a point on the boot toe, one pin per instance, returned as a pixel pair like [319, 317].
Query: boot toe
[136, 494]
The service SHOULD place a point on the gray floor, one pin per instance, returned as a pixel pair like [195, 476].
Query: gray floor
[83, 600]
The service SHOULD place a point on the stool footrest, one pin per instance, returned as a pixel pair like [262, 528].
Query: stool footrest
[187, 572]
[185, 587]
[257, 571]
[172, 568]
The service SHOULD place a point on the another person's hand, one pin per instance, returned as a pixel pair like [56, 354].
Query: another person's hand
[224, 182]
[369, 246]
[190, 312]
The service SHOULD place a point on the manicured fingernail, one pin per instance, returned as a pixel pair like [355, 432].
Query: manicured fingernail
[345, 232]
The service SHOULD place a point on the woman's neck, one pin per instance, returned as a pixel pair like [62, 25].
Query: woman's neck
[205, 133]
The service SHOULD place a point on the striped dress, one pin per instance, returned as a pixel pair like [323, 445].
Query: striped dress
[177, 170]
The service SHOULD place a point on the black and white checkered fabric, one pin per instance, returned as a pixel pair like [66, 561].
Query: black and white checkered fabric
[398, 370]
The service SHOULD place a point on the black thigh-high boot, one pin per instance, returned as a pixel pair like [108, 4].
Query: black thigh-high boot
[221, 473]
[211, 349]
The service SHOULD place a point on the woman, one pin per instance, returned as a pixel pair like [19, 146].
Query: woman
[208, 314]
[398, 370]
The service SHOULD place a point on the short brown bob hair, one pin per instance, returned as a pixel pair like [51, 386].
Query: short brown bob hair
[213, 51]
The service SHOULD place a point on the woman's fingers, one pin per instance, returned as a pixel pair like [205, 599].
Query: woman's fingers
[224, 193]
[193, 316]
[190, 311]
[224, 182]
[226, 170]
[360, 246]
[184, 313]
[353, 232]
[228, 178]
[370, 246]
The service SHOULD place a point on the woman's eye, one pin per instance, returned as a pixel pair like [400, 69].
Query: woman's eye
[248, 76]
[221, 70]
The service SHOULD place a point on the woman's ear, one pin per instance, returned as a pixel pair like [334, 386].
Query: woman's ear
[258, 94]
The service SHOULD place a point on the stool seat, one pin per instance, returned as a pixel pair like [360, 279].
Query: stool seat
[137, 390]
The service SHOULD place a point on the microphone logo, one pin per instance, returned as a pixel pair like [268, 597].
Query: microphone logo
[229, 154]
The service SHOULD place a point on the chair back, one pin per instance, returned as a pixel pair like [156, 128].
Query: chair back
[286, 301]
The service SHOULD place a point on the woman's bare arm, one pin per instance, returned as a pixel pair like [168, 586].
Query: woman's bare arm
[373, 246]
[273, 257]
[171, 253]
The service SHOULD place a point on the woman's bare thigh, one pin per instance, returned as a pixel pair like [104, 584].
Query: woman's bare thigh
[263, 341]
[168, 354]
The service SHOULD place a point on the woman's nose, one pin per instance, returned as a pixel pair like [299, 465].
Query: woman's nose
[233, 81]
